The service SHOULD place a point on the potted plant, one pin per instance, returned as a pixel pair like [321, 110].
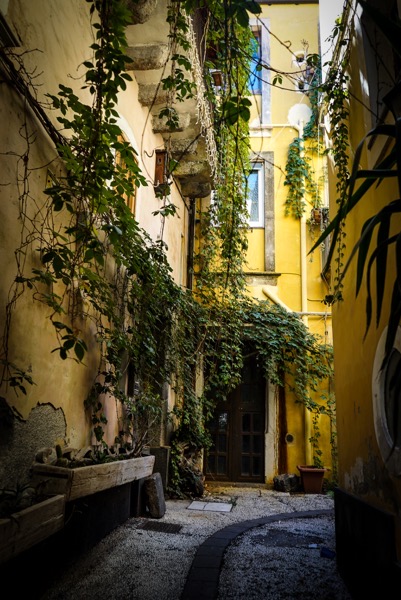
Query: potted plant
[312, 478]
[82, 473]
[27, 517]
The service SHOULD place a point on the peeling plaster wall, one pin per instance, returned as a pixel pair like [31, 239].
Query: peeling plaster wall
[20, 439]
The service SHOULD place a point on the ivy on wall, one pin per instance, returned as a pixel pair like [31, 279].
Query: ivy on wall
[97, 265]
[300, 175]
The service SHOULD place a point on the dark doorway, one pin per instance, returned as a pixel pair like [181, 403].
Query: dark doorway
[238, 430]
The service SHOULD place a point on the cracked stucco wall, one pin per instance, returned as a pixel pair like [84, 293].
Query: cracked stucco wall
[20, 440]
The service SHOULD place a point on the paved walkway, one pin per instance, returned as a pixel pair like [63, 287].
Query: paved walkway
[204, 575]
[257, 547]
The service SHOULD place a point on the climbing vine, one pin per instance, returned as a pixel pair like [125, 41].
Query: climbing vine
[335, 96]
[300, 175]
[221, 235]
[95, 264]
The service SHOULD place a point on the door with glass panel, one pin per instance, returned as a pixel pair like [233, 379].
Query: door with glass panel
[237, 430]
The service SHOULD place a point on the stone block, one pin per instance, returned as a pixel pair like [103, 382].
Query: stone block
[150, 94]
[162, 459]
[154, 495]
[147, 56]
[141, 10]
[159, 125]
[195, 189]
[288, 482]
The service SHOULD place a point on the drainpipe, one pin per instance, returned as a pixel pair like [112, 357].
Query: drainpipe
[304, 314]
[304, 293]
[304, 307]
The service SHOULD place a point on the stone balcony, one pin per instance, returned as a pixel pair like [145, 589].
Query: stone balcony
[148, 38]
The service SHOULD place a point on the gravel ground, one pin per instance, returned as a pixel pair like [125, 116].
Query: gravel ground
[270, 561]
[284, 560]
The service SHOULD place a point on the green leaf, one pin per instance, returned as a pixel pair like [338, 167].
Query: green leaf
[362, 254]
[253, 7]
[48, 256]
[242, 17]
[79, 351]
[392, 208]
[68, 344]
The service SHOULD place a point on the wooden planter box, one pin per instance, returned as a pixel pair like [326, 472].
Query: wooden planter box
[30, 526]
[311, 478]
[85, 481]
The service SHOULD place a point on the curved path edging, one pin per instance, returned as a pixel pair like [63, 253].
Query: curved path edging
[203, 578]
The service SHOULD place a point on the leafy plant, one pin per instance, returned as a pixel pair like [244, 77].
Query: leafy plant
[299, 179]
[98, 266]
[367, 254]
[300, 176]
[18, 498]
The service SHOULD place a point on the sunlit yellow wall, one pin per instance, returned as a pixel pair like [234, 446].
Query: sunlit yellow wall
[57, 36]
[362, 470]
[290, 25]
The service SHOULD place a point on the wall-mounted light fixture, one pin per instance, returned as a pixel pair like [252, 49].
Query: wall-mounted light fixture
[217, 77]
[161, 184]
[160, 167]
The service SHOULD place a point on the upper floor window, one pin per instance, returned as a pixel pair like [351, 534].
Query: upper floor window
[259, 80]
[255, 196]
[255, 75]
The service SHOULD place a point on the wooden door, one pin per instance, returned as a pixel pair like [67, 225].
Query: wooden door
[238, 431]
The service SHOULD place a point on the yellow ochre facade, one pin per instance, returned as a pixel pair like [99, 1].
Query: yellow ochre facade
[53, 42]
[368, 497]
[278, 264]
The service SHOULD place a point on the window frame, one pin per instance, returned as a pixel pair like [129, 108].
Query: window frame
[256, 59]
[260, 223]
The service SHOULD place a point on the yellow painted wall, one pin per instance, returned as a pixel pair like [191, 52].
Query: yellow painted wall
[363, 471]
[55, 38]
[289, 25]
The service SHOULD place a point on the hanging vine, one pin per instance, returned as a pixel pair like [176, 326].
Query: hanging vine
[300, 175]
[94, 263]
[335, 95]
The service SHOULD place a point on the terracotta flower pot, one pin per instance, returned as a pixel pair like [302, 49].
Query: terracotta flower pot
[311, 478]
